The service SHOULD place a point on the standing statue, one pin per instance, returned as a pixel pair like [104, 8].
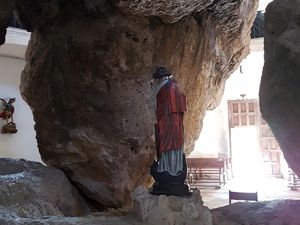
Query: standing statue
[169, 171]
[7, 115]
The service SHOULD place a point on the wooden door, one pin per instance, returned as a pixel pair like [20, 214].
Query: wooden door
[270, 150]
[246, 112]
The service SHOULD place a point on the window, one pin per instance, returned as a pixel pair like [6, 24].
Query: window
[243, 107]
[243, 112]
[244, 120]
[236, 121]
[251, 120]
[235, 107]
[251, 107]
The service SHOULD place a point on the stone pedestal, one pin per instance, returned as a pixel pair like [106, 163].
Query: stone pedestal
[171, 210]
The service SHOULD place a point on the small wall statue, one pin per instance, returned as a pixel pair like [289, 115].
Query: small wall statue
[7, 115]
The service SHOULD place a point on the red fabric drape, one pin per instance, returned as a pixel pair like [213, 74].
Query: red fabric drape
[171, 105]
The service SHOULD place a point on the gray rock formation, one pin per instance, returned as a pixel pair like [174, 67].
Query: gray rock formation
[89, 64]
[172, 210]
[279, 91]
[148, 210]
[279, 212]
[93, 219]
[31, 190]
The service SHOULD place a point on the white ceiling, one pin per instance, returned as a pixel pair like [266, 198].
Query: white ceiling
[16, 42]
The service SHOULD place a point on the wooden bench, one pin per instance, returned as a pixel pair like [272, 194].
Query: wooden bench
[248, 196]
[206, 172]
[294, 181]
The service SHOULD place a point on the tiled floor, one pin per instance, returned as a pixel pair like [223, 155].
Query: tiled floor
[267, 189]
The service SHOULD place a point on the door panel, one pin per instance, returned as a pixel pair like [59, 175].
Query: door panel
[246, 113]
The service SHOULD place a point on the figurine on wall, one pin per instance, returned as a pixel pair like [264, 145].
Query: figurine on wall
[7, 115]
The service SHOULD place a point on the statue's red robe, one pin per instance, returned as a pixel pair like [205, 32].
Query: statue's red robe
[171, 105]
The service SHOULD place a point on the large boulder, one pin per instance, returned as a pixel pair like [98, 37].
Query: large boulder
[88, 72]
[32, 190]
[279, 212]
[279, 91]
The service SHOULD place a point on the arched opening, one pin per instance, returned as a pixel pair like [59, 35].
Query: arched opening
[236, 134]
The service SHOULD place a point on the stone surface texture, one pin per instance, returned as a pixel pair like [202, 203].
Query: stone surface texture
[279, 212]
[31, 190]
[93, 219]
[148, 210]
[88, 72]
[279, 91]
[168, 11]
[172, 210]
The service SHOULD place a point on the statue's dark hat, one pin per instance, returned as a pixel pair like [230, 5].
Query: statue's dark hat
[161, 72]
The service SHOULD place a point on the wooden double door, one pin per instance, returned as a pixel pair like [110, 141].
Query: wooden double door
[246, 113]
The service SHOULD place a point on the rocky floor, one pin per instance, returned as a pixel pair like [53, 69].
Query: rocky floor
[277, 212]
[32, 194]
[93, 219]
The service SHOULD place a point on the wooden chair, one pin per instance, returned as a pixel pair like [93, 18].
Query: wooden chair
[249, 196]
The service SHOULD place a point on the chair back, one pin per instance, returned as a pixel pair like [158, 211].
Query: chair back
[248, 196]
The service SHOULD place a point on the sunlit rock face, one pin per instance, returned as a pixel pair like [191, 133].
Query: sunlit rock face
[280, 84]
[87, 80]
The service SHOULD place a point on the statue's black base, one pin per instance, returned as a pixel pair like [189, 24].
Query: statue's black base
[170, 189]
[166, 184]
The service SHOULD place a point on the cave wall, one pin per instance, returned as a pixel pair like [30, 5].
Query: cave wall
[88, 72]
[279, 91]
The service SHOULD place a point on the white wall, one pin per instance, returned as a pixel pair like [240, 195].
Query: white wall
[22, 144]
[213, 140]
[263, 4]
[247, 81]
[214, 137]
